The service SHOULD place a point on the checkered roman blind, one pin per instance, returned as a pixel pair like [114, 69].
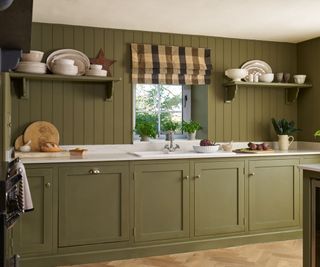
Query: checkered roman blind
[159, 64]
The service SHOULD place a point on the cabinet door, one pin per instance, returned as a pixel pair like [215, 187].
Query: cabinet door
[161, 201]
[93, 204]
[219, 197]
[274, 190]
[33, 231]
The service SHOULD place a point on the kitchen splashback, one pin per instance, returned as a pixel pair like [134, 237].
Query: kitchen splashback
[82, 116]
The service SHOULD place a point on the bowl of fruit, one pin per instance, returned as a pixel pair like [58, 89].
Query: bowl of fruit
[206, 146]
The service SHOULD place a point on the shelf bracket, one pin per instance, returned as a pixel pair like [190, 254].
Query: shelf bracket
[25, 89]
[292, 95]
[230, 93]
[109, 91]
[21, 86]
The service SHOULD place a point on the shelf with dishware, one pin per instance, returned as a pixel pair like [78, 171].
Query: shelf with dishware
[292, 89]
[24, 79]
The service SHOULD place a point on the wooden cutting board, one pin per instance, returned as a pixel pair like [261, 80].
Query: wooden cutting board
[249, 151]
[41, 132]
[24, 155]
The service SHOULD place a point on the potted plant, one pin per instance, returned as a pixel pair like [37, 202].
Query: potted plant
[317, 134]
[283, 129]
[170, 127]
[145, 130]
[191, 128]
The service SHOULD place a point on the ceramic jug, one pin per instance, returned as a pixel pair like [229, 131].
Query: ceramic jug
[285, 141]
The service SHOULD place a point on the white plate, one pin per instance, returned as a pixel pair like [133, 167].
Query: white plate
[32, 64]
[256, 67]
[100, 73]
[81, 60]
[28, 69]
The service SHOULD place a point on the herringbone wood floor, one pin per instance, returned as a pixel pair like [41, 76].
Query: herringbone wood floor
[275, 254]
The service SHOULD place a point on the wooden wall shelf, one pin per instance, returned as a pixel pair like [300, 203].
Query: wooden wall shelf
[24, 78]
[292, 89]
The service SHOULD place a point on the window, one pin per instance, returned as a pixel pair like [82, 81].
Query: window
[160, 103]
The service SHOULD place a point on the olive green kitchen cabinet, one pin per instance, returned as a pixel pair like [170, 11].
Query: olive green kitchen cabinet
[161, 204]
[219, 197]
[274, 194]
[33, 233]
[93, 204]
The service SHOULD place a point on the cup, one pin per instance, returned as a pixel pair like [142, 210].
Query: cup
[286, 77]
[279, 77]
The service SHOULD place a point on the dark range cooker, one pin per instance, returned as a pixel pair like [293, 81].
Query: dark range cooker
[15, 37]
[11, 208]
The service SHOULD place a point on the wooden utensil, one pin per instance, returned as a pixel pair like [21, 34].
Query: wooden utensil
[18, 143]
[41, 132]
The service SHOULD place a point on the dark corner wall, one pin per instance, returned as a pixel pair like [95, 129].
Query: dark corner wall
[309, 99]
[82, 116]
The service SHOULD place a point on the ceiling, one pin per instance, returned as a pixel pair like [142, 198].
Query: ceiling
[274, 20]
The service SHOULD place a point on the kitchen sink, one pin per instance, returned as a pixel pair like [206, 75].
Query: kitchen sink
[178, 153]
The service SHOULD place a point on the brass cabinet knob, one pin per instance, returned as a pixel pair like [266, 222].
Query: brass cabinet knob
[94, 171]
[186, 177]
[197, 176]
[47, 185]
[251, 174]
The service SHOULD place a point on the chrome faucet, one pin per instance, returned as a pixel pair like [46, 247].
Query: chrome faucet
[170, 147]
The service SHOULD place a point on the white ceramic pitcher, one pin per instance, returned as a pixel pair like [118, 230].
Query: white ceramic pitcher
[285, 141]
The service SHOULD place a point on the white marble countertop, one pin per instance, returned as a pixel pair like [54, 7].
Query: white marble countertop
[100, 153]
[310, 167]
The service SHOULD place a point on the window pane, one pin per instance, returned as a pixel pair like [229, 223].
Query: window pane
[159, 103]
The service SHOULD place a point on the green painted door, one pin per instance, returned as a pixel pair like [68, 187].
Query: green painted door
[93, 204]
[219, 197]
[33, 232]
[161, 201]
[274, 194]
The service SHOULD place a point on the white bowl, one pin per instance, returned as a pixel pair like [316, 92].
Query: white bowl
[95, 67]
[33, 56]
[32, 67]
[206, 149]
[64, 69]
[300, 79]
[266, 77]
[236, 74]
[100, 73]
[64, 61]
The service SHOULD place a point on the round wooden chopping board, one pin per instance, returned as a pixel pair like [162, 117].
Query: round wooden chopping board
[41, 132]
[18, 143]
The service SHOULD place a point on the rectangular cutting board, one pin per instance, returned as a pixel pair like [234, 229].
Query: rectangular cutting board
[41, 154]
[248, 151]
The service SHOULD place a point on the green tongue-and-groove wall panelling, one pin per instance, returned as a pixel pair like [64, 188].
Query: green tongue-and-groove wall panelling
[308, 104]
[82, 116]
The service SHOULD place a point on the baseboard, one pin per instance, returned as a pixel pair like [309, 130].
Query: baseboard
[151, 250]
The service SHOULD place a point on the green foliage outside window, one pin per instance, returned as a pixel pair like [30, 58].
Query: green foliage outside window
[159, 104]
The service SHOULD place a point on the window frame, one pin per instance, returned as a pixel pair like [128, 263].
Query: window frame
[186, 111]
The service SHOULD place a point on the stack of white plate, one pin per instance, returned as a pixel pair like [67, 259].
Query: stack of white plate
[96, 70]
[31, 63]
[64, 66]
[80, 60]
